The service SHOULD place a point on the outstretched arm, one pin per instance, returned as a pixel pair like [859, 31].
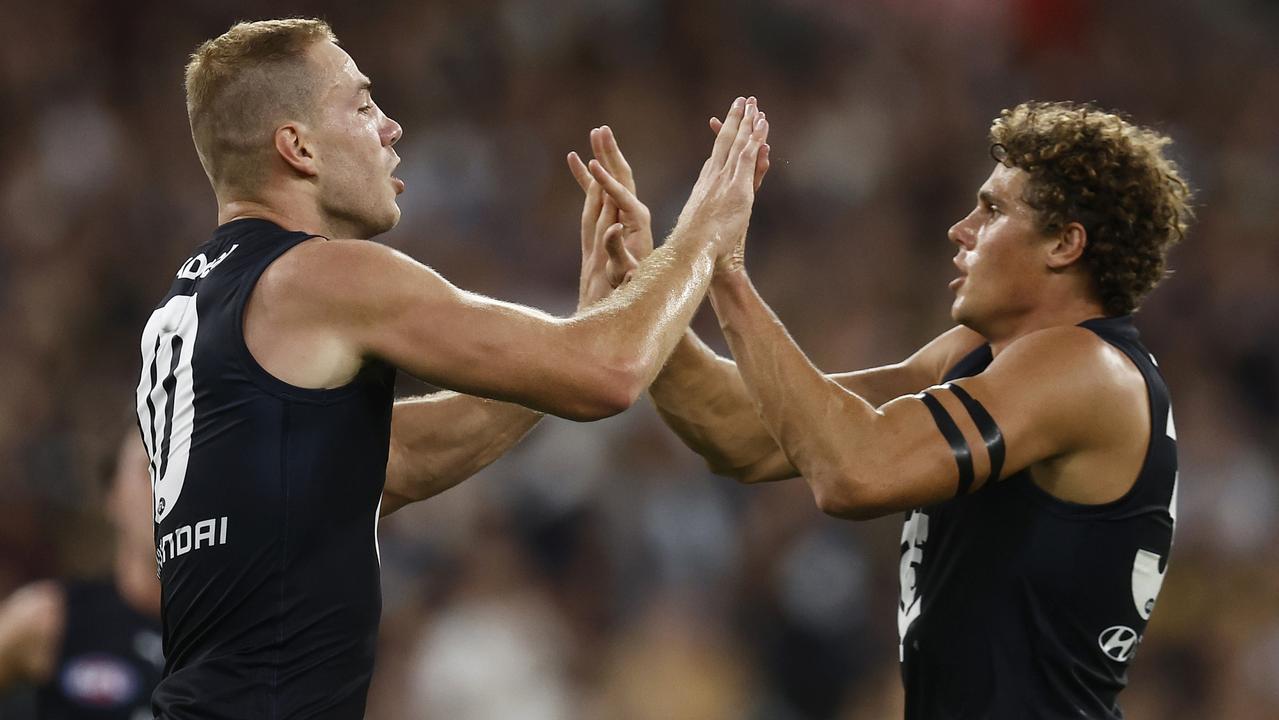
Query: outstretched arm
[702, 397]
[440, 440]
[1049, 393]
[365, 300]
[588, 366]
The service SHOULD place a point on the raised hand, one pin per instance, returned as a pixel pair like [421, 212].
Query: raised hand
[761, 163]
[637, 232]
[721, 200]
[617, 231]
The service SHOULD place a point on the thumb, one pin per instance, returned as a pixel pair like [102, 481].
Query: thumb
[621, 263]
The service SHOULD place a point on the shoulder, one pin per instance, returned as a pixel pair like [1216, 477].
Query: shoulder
[329, 275]
[1067, 377]
[1066, 352]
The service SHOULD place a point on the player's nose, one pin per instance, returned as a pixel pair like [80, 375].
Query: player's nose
[391, 132]
[961, 232]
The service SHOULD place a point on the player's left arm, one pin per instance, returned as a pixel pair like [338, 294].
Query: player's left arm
[1042, 397]
[439, 440]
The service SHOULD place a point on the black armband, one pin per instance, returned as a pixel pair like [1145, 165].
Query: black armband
[990, 432]
[958, 445]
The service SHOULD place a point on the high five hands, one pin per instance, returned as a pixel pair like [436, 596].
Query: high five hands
[617, 227]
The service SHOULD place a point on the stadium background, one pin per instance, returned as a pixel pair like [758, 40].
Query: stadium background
[599, 571]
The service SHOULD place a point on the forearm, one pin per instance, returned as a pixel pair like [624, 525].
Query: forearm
[439, 440]
[645, 318]
[702, 399]
[821, 427]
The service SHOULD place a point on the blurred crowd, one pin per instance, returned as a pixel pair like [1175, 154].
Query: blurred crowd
[599, 571]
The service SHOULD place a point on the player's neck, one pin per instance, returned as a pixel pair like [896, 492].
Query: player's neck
[1060, 313]
[297, 218]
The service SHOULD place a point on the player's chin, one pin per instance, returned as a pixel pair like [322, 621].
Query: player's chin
[377, 223]
[390, 219]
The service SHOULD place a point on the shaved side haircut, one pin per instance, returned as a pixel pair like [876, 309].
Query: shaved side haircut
[241, 86]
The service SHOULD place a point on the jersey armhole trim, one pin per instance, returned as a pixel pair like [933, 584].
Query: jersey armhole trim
[262, 377]
[1123, 505]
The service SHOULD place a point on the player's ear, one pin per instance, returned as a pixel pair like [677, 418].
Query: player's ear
[291, 144]
[1067, 247]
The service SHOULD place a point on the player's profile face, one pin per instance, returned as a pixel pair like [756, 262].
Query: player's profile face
[354, 150]
[999, 252]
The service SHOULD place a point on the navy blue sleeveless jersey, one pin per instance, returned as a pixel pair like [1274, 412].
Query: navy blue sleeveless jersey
[109, 660]
[1017, 605]
[266, 501]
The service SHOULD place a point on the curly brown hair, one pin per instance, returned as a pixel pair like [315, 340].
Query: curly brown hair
[1111, 176]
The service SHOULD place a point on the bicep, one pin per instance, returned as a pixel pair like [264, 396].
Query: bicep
[955, 438]
[388, 306]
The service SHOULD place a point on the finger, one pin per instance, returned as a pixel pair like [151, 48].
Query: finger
[761, 165]
[622, 197]
[597, 147]
[580, 173]
[591, 207]
[590, 214]
[727, 133]
[607, 216]
[614, 160]
[615, 244]
[716, 124]
[621, 263]
[744, 130]
[748, 159]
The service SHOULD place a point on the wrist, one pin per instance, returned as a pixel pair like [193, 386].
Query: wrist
[730, 275]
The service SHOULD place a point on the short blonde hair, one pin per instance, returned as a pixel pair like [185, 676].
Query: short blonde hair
[241, 85]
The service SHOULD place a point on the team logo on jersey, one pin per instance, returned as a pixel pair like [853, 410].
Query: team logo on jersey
[1119, 642]
[100, 681]
[199, 266]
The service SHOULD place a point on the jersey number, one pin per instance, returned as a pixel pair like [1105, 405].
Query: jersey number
[914, 535]
[166, 397]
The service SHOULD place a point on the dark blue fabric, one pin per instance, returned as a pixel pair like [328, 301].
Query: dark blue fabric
[109, 661]
[1020, 605]
[269, 562]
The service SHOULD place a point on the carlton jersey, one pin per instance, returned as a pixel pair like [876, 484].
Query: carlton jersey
[266, 501]
[109, 660]
[1017, 605]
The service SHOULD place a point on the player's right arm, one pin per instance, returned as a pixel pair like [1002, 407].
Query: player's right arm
[701, 395]
[31, 625]
[702, 398]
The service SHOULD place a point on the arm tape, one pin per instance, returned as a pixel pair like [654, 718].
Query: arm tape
[986, 425]
[958, 445]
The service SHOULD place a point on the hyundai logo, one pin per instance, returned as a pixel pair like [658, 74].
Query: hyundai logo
[1119, 642]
